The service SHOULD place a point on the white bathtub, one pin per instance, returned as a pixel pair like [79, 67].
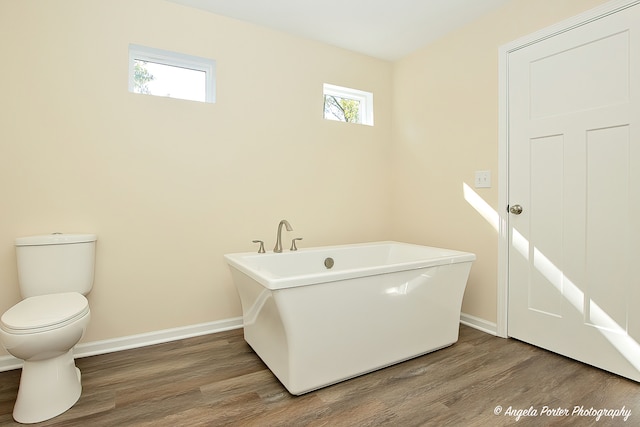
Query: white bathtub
[381, 303]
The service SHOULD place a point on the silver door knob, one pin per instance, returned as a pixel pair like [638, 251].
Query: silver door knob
[515, 209]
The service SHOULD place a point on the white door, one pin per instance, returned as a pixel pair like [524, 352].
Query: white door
[574, 193]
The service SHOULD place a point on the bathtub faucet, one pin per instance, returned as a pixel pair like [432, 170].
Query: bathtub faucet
[278, 247]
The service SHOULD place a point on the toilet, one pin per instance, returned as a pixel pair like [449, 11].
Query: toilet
[55, 272]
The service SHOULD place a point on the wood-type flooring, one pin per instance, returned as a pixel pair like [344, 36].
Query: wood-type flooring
[217, 380]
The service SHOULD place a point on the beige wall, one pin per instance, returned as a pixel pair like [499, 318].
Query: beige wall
[445, 127]
[169, 186]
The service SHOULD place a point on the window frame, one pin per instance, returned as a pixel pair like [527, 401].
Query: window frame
[364, 98]
[174, 59]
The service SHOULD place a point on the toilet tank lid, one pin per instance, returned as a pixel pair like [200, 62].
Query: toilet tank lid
[55, 239]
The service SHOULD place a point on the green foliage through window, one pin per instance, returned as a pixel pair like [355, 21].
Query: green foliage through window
[168, 74]
[141, 77]
[348, 105]
[342, 109]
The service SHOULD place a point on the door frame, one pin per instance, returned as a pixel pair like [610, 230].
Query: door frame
[504, 51]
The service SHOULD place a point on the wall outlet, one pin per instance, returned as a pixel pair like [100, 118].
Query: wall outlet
[483, 179]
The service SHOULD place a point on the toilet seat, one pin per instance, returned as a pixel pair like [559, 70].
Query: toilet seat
[44, 313]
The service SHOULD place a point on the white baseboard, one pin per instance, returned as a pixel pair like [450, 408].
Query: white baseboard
[478, 323]
[9, 362]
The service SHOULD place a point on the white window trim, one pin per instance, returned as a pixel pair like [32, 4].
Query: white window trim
[365, 99]
[165, 57]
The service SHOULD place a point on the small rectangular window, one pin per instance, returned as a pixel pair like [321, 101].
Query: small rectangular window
[348, 105]
[174, 75]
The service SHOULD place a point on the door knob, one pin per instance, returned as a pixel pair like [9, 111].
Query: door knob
[515, 209]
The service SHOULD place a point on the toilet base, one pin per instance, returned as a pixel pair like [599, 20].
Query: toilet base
[47, 389]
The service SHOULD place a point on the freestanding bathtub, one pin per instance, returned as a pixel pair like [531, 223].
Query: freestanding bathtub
[322, 315]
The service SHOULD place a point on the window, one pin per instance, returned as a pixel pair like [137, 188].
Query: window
[348, 105]
[174, 75]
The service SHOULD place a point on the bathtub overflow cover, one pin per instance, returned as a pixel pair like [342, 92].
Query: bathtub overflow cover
[328, 262]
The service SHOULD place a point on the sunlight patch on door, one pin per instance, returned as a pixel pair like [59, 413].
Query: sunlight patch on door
[628, 347]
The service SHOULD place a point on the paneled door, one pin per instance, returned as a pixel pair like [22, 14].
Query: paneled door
[574, 193]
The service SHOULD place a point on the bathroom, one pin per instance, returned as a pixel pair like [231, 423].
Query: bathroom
[169, 186]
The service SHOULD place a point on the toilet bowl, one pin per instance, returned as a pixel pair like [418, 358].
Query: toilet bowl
[42, 330]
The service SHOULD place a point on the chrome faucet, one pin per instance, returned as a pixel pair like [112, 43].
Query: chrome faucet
[278, 247]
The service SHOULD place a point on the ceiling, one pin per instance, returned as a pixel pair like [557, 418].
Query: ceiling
[386, 29]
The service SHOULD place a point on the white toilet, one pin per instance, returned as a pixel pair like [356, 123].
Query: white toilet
[54, 272]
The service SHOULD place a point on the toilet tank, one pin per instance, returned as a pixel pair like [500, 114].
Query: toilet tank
[55, 263]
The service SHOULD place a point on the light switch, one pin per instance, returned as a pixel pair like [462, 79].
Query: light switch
[483, 179]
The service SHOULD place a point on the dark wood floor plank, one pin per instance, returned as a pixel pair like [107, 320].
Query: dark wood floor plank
[217, 380]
